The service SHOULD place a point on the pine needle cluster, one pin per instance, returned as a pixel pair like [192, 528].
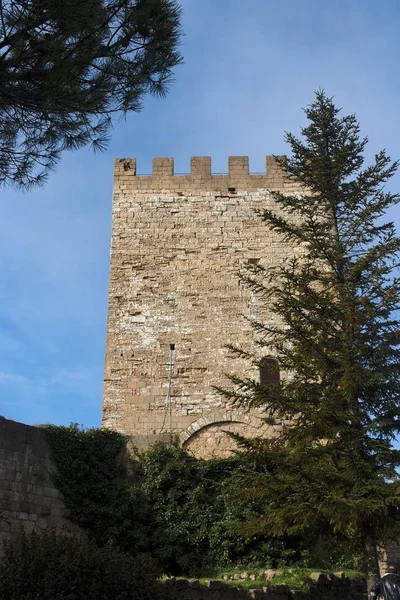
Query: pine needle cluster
[67, 66]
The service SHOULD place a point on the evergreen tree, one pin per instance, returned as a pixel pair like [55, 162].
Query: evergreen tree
[334, 471]
[66, 66]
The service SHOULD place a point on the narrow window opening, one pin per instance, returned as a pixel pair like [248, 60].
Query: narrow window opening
[269, 371]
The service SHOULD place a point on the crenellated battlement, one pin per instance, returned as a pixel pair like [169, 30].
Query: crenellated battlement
[200, 176]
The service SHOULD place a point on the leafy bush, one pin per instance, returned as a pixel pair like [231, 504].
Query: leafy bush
[197, 522]
[190, 515]
[92, 476]
[184, 505]
[50, 567]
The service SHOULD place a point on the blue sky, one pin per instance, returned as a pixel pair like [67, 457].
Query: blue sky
[249, 69]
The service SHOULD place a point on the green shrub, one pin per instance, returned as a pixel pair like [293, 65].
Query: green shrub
[188, 514]
[183, 504]
[50, 567]
[93, 478]
[196, 521]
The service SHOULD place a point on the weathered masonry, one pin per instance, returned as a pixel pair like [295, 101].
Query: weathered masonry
[29, 500]
[175, 301]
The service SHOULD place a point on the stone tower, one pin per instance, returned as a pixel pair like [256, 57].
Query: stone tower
[175, 301]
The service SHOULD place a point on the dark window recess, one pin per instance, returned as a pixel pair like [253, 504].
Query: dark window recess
[269, 371]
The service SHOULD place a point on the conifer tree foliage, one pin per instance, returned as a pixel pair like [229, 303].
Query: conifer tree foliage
[333, 471]
[67, 66]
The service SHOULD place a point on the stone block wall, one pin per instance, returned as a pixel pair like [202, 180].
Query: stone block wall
[322, 587]
[390, 555]
[175, 301]
[29, 500]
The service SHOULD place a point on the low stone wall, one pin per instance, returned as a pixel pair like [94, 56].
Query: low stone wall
[322, 587]
[390, 555]
[28, 499]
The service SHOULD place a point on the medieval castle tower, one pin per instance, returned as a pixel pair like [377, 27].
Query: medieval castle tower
[175, 300]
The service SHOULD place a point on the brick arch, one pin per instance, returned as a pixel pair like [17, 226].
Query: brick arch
[212, 439]
[220, 417]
